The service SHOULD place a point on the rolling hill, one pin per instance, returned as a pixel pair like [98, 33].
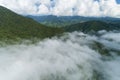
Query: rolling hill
[92, 26]
[14, 26]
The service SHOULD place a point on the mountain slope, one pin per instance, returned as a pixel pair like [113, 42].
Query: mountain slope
[92, 26]
[62, 21]
[13, 26]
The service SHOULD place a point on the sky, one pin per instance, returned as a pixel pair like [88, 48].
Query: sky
[96, 8]
[118, 1]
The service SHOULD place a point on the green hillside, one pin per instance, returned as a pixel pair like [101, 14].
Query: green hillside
[14, 26]
[92, 26]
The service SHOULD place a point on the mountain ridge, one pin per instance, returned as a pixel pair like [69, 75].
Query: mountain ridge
[13, 26]
[62, 21]
[92, 26]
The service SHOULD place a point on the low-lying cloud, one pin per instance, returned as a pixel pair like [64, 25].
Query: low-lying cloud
[70, 57]
[99, 8]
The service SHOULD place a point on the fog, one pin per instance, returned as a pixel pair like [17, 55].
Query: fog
[73, 56]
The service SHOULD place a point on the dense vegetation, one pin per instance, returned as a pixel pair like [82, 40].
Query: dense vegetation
[14, 26]
[92, 26]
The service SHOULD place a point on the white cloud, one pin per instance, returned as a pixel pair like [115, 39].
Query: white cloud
[68, 58]
[64, 7]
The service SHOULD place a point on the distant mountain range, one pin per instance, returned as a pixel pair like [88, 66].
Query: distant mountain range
[61, 21]
[79, 23]
[14, 26]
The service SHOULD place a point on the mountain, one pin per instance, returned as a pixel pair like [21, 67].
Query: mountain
[79, 23]
[62, 21]
[92, 26]
[14, 26]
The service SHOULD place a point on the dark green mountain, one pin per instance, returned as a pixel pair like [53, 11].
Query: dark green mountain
[14, 26]
[92, 26]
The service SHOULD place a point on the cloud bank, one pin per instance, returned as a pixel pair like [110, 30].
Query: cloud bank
[64, 7]
[67, 58]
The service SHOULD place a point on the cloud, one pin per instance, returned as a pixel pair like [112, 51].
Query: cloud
[64, 7]
[68, 58]
[58, 60]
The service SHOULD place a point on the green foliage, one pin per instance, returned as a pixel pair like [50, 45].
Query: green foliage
[92, 26]
[101, 49]
[15, 27]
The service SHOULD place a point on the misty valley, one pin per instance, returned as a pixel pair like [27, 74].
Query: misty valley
[75, 55]
[58, 48]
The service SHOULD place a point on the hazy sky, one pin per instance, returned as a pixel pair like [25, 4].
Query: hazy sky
[109, 8]
[118, 1]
